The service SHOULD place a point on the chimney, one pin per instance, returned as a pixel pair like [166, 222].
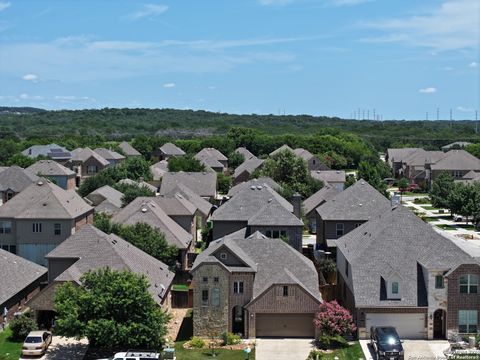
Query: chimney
[297, 205]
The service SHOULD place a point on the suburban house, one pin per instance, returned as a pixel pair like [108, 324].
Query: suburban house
[39, 218]
[346, 211]
[245, 152]
[91, 249]
[105, 199]
[470, 178]
[415, 165]
[280, 149]
[456, 145]
[312, 161]
[158, 170]
[21, 279]
[396, 270]
[456, 162]
[52, 151]
[147, 210]
[167, 151]
[111, 156]
[254, 182]
[14, 180]
[335, 178]
[128, 150]
[212, 158]
[62, 176]
[139, 183]
[203, 184]
[85, 163]
[260, 208]
[244, 171]
[181, 210]
[254, 286]
[395, 157]
[326, 193]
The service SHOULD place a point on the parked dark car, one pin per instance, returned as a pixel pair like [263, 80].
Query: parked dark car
[386, 343]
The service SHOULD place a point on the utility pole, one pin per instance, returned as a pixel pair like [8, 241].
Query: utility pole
[374, 117]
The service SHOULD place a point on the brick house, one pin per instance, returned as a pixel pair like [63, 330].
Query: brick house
[85, 163]
[240, 286]
[396, 270]
[203, 184]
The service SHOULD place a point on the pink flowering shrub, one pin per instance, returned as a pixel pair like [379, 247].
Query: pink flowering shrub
[333, 320]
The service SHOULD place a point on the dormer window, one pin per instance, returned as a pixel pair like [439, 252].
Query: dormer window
[395, 288]
[223, 256]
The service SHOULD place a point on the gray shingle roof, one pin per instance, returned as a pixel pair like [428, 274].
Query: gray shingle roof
[398, 155]
[280, 149]
[203, 206]
[457, 160]
[201, 183]
[146, 210]
[273, 214]
[83, 154]
[128, 149]
[138, 183]
[16, 179]
[109, 154]
[17, 274]
[261, 181]
[358, 202]
[455, 144]
[326, 193]
[103, 193]
[245, 152]
[49, 168]
[329, 176]
[211, 153]
[45, 200]
[53, 151]
[175, 204]
[248, 166]
[261, 255]
[303, 153]
[159, 169]
[95, 249]
[391, 245]
[172, 150]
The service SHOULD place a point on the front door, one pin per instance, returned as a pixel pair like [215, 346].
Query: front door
[438, 324]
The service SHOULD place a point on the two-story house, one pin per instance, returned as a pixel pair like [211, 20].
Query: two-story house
[166, 151]
[310, 204]
[53, 151]
[212, 158]
[254, 286]
[39, 218]
[62, 176]
[244, 171]
[395, 270]
[335, 178]
[111, 156]
[105, 199]
[14, 180]
[128, 150]
[85, 163]
[313, 162]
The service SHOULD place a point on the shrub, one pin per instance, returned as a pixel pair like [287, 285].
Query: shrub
[197, 342]
[327, 266]
[422, 200]
[231, 339]
[331, 342]
[332, 319]
[315, 355]
[21, 326]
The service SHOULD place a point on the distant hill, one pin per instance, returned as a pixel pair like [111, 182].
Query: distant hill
[19, 110]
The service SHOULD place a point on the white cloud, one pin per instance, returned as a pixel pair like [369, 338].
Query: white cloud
[428, 90]
[71, 98]
[4, 5]
[464, 109]
[473, 64]
[25, 96]
[149, 10]
[30, 77]
[451, 26]
[169, 85]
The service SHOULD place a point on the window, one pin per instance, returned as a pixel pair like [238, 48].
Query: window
[57, 229]
[340, 229]
[467, 321]
[238, 287]
[215, 279]
[91, 169]
[285, 291]
[5, 227]
[439, 282]
[205, 297]
[5, 247]
[283, 233]
[205, 279]
[276, 234]
[457, 174]
[215, 297]
[13, 249]
[395, 287]
[223, 256]
[37, 227]
[468, 284]
[9, 196]
[268, 233]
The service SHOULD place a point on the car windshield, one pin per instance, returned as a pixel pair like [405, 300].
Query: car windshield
[33, 340]
[388, 339]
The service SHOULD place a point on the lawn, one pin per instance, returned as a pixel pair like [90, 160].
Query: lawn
[431, 219]
[353, 352]
[202, 354]
[466, 227]
[9, 350]
[429, 207]
[445, 227]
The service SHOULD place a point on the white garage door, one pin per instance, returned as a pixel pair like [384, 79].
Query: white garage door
[409, 326]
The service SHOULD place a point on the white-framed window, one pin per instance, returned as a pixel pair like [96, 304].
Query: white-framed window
[57, 229]
[223, 256]
[339, 228]
[395, 288]
[37, 227]
[468, 284]
[467, 321]
[215, 297]
[205, 297]
[238, 287]
[439, 282]
[5, 227]
[457, 174]
[91, 169]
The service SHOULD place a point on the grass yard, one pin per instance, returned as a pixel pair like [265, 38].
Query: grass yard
[9, 350]
[429, 207]
[353, 352]
[431, 219]
[202, 354]
[445, 227]
[466, 227]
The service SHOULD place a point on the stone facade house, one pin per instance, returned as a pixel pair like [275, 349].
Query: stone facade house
[14, 180]
[40, 218]
[91, 249]
[335, 178]
[396, 270]
[62, 176]
[326, 193]
[129, 150]
[240, 286]
[346, 211]
[203, 184]
[259, 208]
[167, 151]
[85, 163]
[20, 280]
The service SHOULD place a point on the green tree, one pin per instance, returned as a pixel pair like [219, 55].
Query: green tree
[111, 309]
[474, 149]
[403, 184]
[235, 159]
[224, 183]
[132, 191]
[441, 188]
[20, 160]
[372, 173]
[185, 163]
[22, 325]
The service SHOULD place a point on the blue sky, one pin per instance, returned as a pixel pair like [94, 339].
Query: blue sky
[403, 58]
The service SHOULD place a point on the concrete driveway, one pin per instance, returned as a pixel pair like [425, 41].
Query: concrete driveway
[283, 349]
[63, 349]
[414, 349]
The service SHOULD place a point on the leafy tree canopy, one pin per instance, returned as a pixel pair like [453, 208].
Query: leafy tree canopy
[185, 163]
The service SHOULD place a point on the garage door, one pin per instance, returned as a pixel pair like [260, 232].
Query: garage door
[409, 326]
[285, 325]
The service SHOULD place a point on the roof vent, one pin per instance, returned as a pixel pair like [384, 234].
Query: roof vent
[360, 204]
[270, 200]
[252, 187]
[144, 209]
[259, 187]
[40, 183]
